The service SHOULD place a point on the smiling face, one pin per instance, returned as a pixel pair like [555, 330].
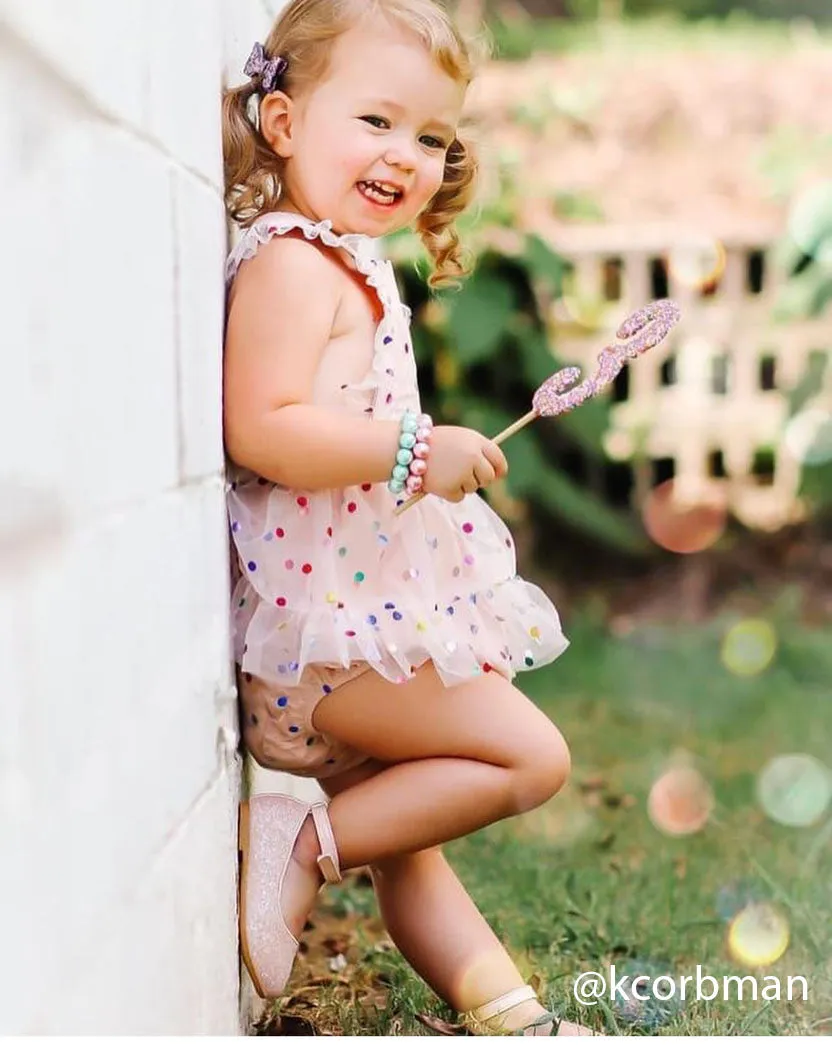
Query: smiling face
[383, 119]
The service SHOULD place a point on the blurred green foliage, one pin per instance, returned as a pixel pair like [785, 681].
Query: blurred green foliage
[516, 39]
[806, 252]
[483, 350]
[818, 10]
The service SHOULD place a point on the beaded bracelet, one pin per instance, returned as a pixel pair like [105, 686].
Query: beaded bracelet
[411, 457]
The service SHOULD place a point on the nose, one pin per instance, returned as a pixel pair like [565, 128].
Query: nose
[401, 155]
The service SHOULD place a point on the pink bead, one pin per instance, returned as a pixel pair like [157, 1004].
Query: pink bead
[418, 467]
[424, 421]
[421, 450]
[423, 434]
[413, 483]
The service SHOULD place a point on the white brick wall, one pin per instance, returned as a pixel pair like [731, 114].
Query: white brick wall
[118, 777]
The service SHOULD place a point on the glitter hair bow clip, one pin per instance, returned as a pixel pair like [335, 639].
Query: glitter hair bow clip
[267, 70]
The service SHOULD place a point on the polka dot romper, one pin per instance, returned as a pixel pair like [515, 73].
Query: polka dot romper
[333, 578]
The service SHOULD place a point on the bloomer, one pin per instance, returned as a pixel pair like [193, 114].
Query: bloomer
[277, 722]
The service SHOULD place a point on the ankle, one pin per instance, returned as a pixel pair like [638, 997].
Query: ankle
[518, 1016]
[307, 848]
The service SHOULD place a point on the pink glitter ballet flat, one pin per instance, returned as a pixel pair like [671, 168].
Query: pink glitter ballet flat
[269, 827]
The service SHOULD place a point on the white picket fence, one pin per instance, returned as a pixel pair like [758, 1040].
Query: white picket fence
[711, 403]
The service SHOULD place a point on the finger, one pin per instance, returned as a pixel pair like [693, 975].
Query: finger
[496, 458]
[484, 474]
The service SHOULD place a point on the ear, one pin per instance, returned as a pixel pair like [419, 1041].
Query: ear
[276, 113]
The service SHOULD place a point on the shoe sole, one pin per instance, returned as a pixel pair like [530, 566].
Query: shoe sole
[243, 848]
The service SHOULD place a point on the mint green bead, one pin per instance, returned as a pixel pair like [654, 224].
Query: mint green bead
[409, 423]
[395, 486]
[404, 457]
[400, 472]
[407, 440]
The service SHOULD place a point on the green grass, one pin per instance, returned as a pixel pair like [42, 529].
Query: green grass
[588, 881]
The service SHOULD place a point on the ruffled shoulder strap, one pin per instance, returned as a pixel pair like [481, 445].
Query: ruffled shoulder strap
[277, 223]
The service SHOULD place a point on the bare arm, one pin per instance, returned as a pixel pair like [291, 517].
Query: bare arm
[281, 315]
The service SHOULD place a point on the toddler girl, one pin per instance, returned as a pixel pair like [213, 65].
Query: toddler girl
[375, 651]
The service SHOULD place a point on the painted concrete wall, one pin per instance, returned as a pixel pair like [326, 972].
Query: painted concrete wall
[119, 777]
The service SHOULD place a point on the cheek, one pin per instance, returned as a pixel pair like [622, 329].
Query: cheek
[435, 177]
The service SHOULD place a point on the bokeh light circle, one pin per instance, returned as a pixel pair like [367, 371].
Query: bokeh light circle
[680, 801]
[795, 790]
[759, 935]
[808, 436]
[678, 526]
[749, 647]
[698, 264]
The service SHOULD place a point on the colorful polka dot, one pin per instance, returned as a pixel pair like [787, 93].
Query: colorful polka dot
[294, 729]
[280, 601]
[327, 689]
[366, 487]
[469, 560]
[289, 564]
[282, 702]
[307, 567]
[252, 566]
[397, 615]
[331, 597]
[303, 502]
[342, 552]
[350, 634]
[467, 528]
[280, 532]
[372, 619]
[359, 576]
[352, 507]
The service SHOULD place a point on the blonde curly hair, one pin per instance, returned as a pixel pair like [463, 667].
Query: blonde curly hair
[304, 34]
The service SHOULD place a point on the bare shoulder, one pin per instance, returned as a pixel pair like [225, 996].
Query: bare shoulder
[288, 269]
[281, 312]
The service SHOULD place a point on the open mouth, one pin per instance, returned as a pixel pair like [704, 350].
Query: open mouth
[380, 192]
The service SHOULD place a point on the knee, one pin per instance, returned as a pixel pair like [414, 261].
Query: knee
[543, 773]
[405, 863]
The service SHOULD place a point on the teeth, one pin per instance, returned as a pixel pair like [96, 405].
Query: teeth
[383, 186]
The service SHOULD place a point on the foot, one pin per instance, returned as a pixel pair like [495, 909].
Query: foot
[522, 1017]
[302, 881]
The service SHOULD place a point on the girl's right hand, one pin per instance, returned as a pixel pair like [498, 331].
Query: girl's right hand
[461, 461]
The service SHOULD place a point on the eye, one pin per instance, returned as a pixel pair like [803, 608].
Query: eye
[379, 121]
[434, 143]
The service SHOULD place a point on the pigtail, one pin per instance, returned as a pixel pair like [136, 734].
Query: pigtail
[252, 170]
[435, 225]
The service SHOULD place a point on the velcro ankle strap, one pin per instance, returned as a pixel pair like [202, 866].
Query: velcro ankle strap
[328, 860]
[500, 1005]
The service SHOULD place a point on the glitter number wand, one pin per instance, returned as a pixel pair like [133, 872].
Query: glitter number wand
[638, 333]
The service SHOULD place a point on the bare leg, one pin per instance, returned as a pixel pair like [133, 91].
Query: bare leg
[420, 897]
[447, 762]
[461, 758]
